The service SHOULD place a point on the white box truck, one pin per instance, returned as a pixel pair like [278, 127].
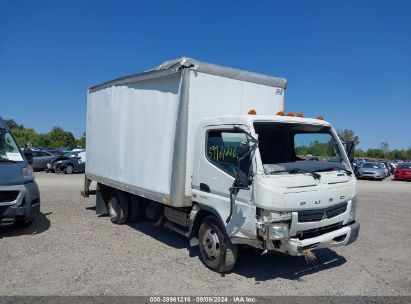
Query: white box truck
[208, 152]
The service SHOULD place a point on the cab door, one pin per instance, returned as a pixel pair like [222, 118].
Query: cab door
[217, 169]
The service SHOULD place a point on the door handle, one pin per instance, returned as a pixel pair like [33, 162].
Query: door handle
[204, 187]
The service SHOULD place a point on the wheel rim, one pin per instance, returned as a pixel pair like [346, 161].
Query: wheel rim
[69, 169]
[113, 207]
[211, 245]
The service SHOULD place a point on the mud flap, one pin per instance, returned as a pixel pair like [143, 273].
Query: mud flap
[101, 207]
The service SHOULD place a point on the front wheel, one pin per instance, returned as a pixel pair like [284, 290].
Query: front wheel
[69, 169]
[216, 250]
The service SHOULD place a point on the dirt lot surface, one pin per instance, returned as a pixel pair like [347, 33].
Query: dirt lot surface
[70, 251]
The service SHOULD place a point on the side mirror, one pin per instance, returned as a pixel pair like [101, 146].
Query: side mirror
[29, 156]
[349, 147]
[245, 171]
[242, 180]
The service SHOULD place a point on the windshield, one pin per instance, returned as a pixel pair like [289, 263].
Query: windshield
[71, 154]
[371, 165]
[297, 148]
[405, 166]
[9, 150]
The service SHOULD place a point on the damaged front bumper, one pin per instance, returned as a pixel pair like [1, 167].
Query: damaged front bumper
[294, 232]
[340, 237]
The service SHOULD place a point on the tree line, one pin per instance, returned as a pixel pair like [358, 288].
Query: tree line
[59, 138]
[382, 152]
[56, 138]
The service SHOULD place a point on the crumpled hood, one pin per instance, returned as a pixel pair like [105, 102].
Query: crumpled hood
[291, 192]
[11, 173]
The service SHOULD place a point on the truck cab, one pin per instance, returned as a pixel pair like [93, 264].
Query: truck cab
[275, 182]
[19, 193]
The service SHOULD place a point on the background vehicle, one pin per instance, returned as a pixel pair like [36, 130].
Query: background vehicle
[386, 169]
[68, 163]
[391, 167]
[403, 171]
[57, 152]
[372, 170]
[19, 193]
[207, 151]
[356, 164]
[40, 159]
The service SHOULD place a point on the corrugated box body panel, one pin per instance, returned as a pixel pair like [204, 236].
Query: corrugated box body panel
[212, 95]
[130, 134]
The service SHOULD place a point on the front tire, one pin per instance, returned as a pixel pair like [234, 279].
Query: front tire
[118, 207]
[69, 169]
[216, 250]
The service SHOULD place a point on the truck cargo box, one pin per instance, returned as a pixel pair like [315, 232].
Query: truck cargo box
[141, 128]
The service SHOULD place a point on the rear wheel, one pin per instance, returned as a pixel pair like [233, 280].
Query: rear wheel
[118, 207]
[216, 250]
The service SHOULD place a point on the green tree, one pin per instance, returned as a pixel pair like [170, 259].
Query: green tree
[375, 153]
[56, 138]
[360, 153]
[348, 135]
[81, 142]
[59, 138]
[384, 147]
[13, 125]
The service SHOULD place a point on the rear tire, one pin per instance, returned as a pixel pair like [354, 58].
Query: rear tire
[118, 207]
[136, 208]
[212, 242]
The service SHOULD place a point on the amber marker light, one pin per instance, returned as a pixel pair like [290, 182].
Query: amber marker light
[252, 112]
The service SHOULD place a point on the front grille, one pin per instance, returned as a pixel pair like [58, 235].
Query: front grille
[8, 196]
[368, 172]
[318, 214]
[307, 234]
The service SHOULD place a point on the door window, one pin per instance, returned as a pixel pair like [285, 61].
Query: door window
[225, 147]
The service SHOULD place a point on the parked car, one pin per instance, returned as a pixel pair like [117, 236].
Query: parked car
[68, 163]
[372, 170]
[386, 168]
[391, 166]
[19, 193]
[40, 159]
[403, 171]
[356, 165]
[57, 152]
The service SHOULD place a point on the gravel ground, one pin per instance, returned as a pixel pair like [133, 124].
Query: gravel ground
[70, 251]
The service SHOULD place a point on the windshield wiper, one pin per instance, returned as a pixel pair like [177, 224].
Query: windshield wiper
[349, 173]
[299, 170]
